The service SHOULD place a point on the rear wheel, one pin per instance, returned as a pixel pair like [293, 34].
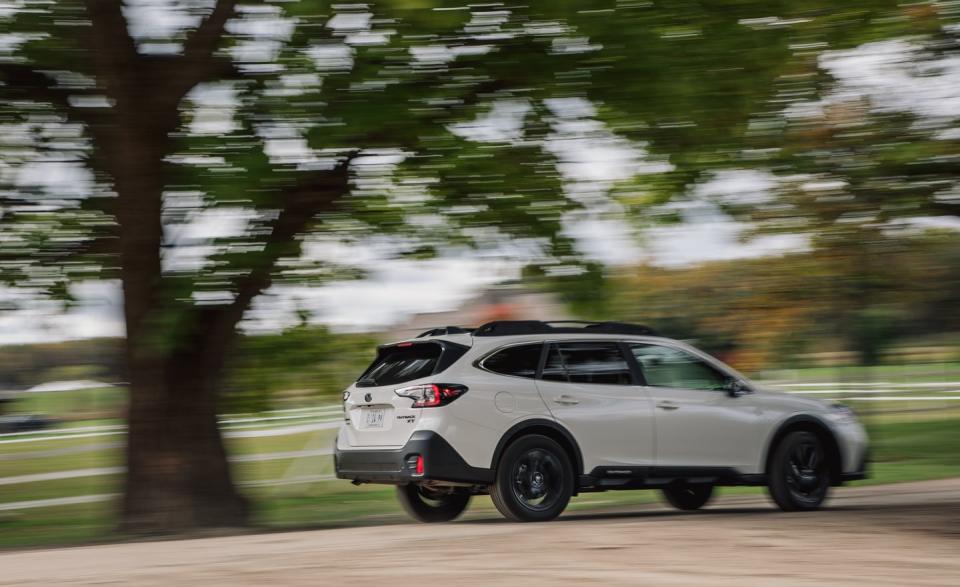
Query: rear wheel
[534, 480]
[688, 496]
[799, 476]
[431, 505]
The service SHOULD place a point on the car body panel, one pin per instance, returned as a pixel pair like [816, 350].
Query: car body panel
[697, 428]
[612, 424]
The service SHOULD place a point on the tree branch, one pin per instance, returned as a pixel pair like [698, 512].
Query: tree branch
[23, 81]
[114, 51]
[203, 41]
[303, 201]
[199, 62]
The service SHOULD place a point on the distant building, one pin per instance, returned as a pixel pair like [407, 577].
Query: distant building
[503, 302]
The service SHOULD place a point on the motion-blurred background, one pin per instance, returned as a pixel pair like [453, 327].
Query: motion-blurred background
[212, 211]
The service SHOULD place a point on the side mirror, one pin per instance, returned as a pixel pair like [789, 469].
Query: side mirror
[735, 387]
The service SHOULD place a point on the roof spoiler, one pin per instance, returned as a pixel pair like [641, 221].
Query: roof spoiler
[445, 330]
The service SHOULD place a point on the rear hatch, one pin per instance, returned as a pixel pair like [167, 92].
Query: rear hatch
[378, 417]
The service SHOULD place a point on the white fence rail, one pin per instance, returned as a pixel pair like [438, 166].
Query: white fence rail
[233, 425]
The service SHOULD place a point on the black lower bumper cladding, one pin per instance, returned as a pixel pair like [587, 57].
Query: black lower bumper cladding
[862, 472]
[441, 462]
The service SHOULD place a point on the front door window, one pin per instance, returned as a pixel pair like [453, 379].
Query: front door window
[664, 366]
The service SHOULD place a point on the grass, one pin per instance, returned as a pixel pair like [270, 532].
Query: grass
[75, 524]
[907, 373]
[263, 444]
[915, 450]
[904, 450]
[29, 457]
[107, 457]
[906, 446]
[68, 405]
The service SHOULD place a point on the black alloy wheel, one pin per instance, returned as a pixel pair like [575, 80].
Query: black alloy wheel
[688, 496]
[534, 480]
[799, 476]
[432, 505]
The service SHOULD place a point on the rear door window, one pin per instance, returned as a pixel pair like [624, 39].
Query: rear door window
[587, 362]
[554, 369]
[519, 361]
[399, 364]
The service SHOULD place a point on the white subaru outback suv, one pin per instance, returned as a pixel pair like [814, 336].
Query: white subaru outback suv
[536, 412]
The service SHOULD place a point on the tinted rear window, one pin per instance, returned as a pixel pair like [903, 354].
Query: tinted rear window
[399, 364]
[519, 361]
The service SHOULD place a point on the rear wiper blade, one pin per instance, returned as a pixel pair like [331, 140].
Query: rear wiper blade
[366, 382]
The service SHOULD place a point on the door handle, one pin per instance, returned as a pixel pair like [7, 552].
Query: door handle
[566, 400]
[669, 406]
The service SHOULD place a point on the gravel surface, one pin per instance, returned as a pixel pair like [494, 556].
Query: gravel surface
[905, 534]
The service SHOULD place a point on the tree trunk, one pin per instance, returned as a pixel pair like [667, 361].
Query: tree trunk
[178, 476]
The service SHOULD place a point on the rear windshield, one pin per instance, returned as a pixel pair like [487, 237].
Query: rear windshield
[399, 364]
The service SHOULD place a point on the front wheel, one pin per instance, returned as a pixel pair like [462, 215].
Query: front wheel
[799, 476]
[534, 480]
[429, 505]
[688, 496]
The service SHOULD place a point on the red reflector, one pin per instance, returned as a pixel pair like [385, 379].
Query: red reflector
[405, 344]
[419, 464]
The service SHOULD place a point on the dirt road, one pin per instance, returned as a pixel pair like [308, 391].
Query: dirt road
[906, 534]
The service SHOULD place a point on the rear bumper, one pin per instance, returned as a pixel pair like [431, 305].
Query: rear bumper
[398, 466]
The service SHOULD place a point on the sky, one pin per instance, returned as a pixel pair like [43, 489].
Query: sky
[591, 158]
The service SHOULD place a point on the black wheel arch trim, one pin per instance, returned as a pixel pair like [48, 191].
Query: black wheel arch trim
[527, 426]
[793, 422]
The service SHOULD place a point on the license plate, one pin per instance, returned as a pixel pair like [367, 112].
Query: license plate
[373, 417]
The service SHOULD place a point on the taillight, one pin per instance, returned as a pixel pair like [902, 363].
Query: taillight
[431, 395]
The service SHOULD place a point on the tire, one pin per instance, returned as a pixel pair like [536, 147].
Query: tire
[534, 480]
[799, 476]
[688, 496]
[425, 505]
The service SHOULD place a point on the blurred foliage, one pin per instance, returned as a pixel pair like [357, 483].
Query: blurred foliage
[410, 96]
[309, 82]
[855, 163]
[23, 366]
[764, 313]
[300, 366]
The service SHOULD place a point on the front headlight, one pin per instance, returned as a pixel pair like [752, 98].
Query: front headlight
[842, 414]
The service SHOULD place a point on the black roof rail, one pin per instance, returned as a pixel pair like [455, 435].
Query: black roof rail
[445, 330]
[518, 327]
